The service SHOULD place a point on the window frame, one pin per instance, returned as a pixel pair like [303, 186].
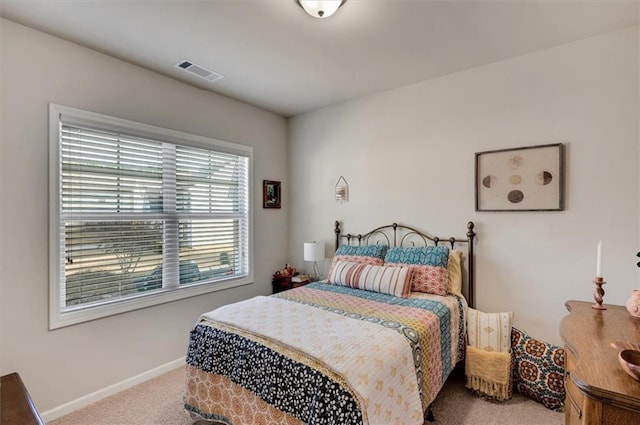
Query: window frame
[59, 317]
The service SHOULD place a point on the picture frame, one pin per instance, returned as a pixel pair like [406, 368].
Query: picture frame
[271, 194]
[529, 178]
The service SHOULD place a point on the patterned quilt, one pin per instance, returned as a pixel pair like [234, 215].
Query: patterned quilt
[323, 354]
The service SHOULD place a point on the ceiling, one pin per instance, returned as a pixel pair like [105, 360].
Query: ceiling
[273, 55]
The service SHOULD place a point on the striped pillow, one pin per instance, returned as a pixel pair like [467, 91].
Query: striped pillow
[394, 281]
[368, 254]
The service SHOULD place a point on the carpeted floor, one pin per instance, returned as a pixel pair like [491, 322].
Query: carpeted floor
[159, 402]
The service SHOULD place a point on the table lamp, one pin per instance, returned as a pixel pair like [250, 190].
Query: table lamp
[314, 251]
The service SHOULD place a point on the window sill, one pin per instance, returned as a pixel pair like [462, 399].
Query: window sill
[105, 308]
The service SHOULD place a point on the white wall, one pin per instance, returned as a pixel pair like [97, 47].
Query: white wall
[65, 364]
[408, 155]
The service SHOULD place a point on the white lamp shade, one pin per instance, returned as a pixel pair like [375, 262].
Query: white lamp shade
[320, 8]
[313, 251]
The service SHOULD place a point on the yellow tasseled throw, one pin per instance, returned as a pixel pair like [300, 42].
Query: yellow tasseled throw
[489, 373]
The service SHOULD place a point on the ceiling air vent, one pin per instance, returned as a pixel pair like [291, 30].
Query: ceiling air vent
[198, 70]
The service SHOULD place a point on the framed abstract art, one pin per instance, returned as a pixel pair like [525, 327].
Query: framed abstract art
[520, 179]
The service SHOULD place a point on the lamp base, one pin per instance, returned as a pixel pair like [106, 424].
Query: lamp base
[316, 272]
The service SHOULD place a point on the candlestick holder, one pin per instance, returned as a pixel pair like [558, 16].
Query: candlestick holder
[598, 293]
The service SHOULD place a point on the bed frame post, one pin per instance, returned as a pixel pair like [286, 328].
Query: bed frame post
[336, 230]
[471, 234]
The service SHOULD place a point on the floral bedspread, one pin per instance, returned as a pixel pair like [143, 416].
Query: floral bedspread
[323, 354]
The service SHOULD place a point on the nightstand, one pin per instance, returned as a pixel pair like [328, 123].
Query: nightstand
[281, 283]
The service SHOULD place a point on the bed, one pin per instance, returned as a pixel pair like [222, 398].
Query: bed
[372, 344]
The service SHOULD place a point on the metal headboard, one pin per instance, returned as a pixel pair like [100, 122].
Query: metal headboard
[395, 234]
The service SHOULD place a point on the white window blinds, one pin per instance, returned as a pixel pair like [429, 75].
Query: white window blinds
[139, 216]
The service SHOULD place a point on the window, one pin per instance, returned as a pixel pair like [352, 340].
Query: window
[142, 215]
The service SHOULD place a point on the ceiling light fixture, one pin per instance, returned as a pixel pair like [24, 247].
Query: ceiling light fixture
[320, 8]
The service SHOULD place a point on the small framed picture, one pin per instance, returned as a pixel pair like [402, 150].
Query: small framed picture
[270, 194]
[520, 179]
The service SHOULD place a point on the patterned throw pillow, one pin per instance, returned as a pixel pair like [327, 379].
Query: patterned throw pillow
[383, 279]
[368, 254]
[429, 263]
[489, 331]
[539, 370]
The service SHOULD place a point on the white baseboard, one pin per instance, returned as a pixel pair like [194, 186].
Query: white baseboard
[88, 399]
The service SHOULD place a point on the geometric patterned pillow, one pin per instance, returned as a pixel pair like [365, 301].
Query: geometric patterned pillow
[489, 331]
[365, 254]
[430, 265]
[421, 255]
[538, 370]
[378, 251]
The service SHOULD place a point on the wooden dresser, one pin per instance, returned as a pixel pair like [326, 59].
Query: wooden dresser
[598, 390]
[16, 406]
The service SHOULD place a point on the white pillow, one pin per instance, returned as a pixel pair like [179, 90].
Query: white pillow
[489, 331]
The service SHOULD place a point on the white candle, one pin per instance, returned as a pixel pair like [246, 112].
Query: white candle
[599, 260]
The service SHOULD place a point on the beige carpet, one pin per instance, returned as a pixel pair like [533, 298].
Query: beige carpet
[159, 402]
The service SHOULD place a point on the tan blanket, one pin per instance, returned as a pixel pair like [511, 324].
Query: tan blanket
[489, 373]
